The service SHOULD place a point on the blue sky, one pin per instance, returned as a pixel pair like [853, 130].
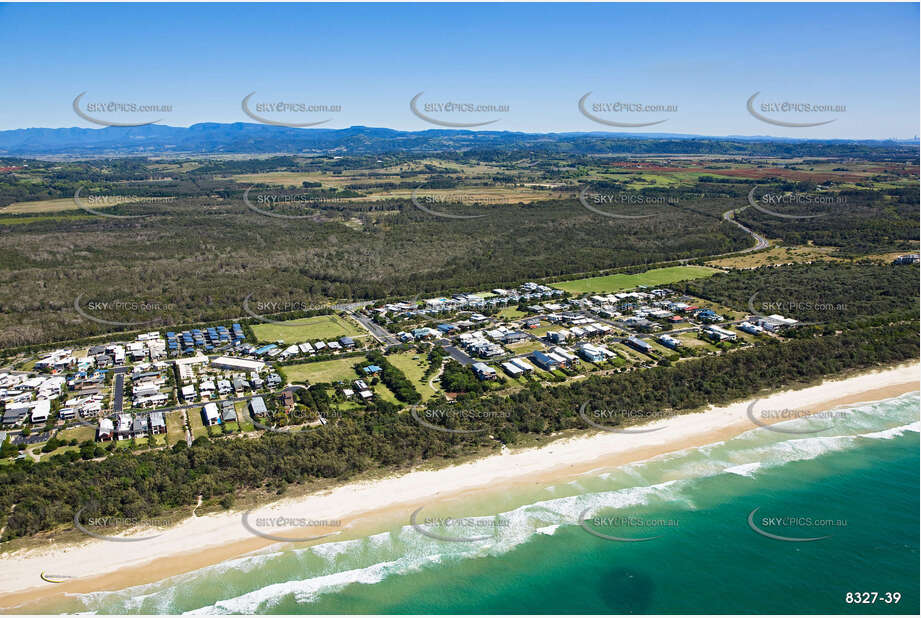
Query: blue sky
[537, 59]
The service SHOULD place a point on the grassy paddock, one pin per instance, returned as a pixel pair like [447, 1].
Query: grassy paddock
[324, 371]
[325, 327]
[414, 370]
[620, 281]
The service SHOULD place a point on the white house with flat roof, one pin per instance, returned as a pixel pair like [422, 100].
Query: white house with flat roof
[41, 409]
[231, 363]
[210, 414]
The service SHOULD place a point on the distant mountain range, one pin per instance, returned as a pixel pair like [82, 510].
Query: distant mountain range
[248, 138]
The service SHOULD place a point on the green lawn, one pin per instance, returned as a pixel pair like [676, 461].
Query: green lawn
[414, 369]
[81, 434]
[42, 219]
[525, 347]
[691, 340]
[175, 431]
[325, 327]
[244, 421]
[380, 389]
[324, 371]
[628, 353]
[158, 440]
[198, 425]
[619, 282]
[511, 313]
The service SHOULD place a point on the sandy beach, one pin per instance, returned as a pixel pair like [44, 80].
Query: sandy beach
[363, 507]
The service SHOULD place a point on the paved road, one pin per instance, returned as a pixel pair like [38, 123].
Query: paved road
[459, 355]
[760, 241]
[379, 333]
[118, 393]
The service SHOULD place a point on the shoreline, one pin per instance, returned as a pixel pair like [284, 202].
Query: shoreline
[374, 505]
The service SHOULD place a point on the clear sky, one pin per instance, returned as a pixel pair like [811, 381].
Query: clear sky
[538, 59]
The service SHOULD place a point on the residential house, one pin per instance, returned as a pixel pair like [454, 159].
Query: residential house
[484, 371]
[123, 426]
[669, 342]
[157, 423]
[522, 364]
[106, 430]
[591, 353]
[638, 345]
[228, 412]
[545, 361]
[257, 406]
[210, 415]
[139, 426]
[286, 401]
[719, 334]
[512, 369]
[41, 410]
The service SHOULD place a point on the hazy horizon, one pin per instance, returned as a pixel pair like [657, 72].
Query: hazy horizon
[698, 67]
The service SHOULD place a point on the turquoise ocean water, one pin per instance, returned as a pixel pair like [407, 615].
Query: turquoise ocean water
[851, 481]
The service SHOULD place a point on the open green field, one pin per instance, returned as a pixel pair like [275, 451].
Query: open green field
[380, 389]
[197, 422]
[324, 327]
[525, 347]
[175, 431]
[691, 340]
[414, 369]
[620, 282]
[80, 434]
[511, 313]
[244, 420]
[324, 371]
[56, 205]
[40, 219]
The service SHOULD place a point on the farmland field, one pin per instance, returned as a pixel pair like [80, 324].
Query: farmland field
[55, 205]
[619, 282]
[324, 327]
[324, 371]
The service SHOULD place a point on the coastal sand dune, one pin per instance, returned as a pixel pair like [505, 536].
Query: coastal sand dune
[364, 507]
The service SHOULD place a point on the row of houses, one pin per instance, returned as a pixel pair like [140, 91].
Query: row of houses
[236, 384]
[517, 366]
[317, 347]
[190, 341]
[458, 302]
[477, 344]
[37, 412]
[586, 329]
[18, 387]
[443, 329]
[595, 353]
[554, 358]
[715, 333]
[84, 405]
[56, 361]
[28, 398]
[128, 426]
